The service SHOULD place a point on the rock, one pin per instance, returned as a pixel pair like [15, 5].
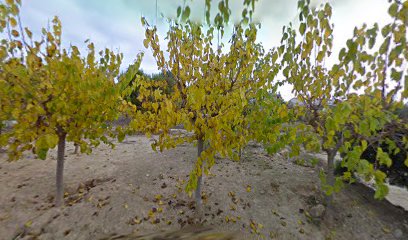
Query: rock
[262, 192]
[398, 233]
[317, 212]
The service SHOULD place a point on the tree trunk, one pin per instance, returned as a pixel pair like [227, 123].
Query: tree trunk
[330, 174]
[200, 148]
[76, 148]
[60, 171]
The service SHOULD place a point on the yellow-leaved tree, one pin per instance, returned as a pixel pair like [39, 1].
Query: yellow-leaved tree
[54, 94]
[211, 93]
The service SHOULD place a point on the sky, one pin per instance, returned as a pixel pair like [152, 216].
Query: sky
[116, 23]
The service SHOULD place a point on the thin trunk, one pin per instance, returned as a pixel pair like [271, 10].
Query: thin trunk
[240, 153]
[200, 148]
[330, 174]
[60, 170]
[76, 148]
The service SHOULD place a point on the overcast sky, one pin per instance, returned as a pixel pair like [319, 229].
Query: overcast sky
[116, 23]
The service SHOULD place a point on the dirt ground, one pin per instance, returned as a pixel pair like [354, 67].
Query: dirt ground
[133, 190]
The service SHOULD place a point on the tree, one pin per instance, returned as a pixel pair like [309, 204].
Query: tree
[387, 70]
[134, 94]
[211, 92]
[342, 119]
[54, 94]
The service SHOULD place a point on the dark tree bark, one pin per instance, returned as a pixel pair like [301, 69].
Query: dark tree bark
[76, 148]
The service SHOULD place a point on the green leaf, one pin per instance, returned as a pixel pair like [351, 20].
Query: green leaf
[395, 75]
[393, 10]
[379, 176]
[342, 54]
[371, 42]
[42, 153]
[302, 28]
[46, 141]
[178, 11]
[381, 191]
[121, 136]
[186, 14]
[383, 157]
[330, 124]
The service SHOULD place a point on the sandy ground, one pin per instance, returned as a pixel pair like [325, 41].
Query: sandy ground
[134, 190]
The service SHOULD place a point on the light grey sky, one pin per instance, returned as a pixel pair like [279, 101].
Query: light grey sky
[116, 23]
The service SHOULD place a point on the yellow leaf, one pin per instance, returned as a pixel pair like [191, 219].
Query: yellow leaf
[13, 22]
[28, 223]
[155, 106]
[248, 188]
[146, 43]
[386, 229]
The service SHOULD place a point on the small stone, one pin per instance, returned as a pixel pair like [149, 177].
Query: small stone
[161, 177]
[262, 192]
[317, 211]
[398, 233]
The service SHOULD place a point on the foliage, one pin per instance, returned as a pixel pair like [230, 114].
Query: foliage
[354, 118]
[397, 173]
[384, 76]
[134, 94]
[267, 116]
[223, 15]
[211, 90]
[54, 94]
